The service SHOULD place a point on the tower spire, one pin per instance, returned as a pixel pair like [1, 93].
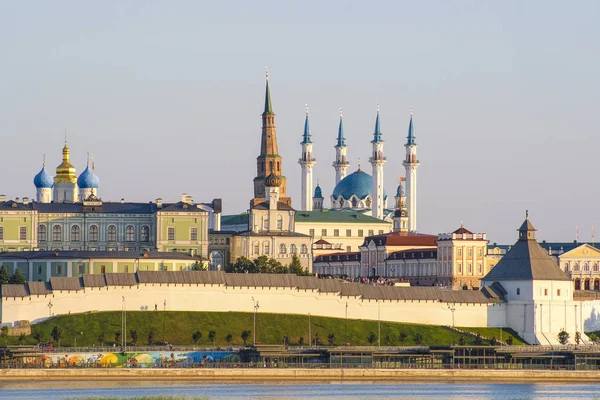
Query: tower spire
[377, 134]
[307, 163]
[306, 135]
[411, 163]
[411, 133]
[44, 163]
[341, 140]
[377, 161]
[268, 106]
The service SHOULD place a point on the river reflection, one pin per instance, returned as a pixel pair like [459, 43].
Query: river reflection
[363, 391]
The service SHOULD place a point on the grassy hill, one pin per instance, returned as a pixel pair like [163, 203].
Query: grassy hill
[179, 326]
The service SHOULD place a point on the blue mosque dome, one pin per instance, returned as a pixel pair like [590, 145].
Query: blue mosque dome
[358, 183]
[43, 180]
[88, 179]
[318, 192]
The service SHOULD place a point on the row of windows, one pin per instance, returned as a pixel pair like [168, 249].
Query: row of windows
[93, 236]
[459, 252]
[22, 233]
[586, 267]
[336, 232]
[171, 234]
[266, 223]
[469, 268]
[282, 248]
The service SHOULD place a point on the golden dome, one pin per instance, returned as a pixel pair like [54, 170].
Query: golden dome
[65, 172]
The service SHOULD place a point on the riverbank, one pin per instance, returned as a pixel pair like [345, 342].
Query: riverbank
[236, 375]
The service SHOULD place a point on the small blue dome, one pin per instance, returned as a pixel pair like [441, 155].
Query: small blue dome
[88, 179]
[358, 183]
[43, 180]
[318, 193]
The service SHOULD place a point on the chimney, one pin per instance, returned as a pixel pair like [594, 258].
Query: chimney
[158, 202]
[17, 200]
[2, 197]
[122, 201]
[25, 201]
[186, 198]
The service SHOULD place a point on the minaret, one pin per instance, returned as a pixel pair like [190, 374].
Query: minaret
[306, 163]
[65, 181]
[341, 163]
[411, 163]
[377, 160]
[269, 161]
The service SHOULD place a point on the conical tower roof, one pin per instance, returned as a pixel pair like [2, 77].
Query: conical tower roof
[526, 260]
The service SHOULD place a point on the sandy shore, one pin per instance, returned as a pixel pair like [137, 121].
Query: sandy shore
[296, 375]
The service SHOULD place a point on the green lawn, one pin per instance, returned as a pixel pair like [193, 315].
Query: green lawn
[270, 329]
[495, 333]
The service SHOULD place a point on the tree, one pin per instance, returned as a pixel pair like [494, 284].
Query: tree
[56, 334]
[461, 340]
[593, 338]
[261, 264]
[301, 341]
[509, 341]
[4, 333]
[478, 340]
[418, 338]
[402, 337]
[101, 338]
[198, 266]
[212, 336]
[331, 339]
[371, 338]
[577, 337]
[563, 337]
[4, 276]
[21, 338]
[134, 336]
[296, 267]
[387, 340]
[17, 278]
[493, 341]
[275, 267]
[245, 335]
[242, 265]
[196, 336]
[150, 337]
[117, 336]
[37, 336]
[229, 338]
[285, 341]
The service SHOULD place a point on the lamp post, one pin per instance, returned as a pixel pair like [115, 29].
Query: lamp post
[309, 332]
[123, 324]
[453, 308]
[255, 310]
[164, 315]
[346, 326]
[378, 323]
[50, 305]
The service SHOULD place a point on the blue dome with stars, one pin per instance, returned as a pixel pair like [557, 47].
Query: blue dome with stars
[318, 193]
[88, 179]
[43, 180]
[357, 184]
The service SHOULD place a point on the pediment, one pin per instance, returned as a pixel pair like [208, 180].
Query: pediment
[583, 251]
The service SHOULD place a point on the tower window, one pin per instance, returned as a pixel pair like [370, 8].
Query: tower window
[518, 291]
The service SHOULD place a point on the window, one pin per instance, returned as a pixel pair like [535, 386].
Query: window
[293, 249]
[22, 233]
[336, 232]
[39, 269]
[56, 233]
[265, 223]
[170, 233]
[112, 233]
[323, 232]
[381, 231]
[566, 267]
[126, 269]
[130, 233]
[459, 268]
[80, 269]
[479, 268]
[360, 233]
[41, 233]
[349, 232]
[93, 233]
[145, 234]
[193, 234]
[470, 268]
[545, 292]
[459, 252]
[480, 252]
[518, 292]
[280, 223]
[558, 292]
[595, 267]
[469, 252]
[266, 247]
[103, 269]
[371, 232]
[576, 267]
[282, 249]
[59, 269]
[256, 247]
[586, 267]
[348, 248]
[75, 233]
[311, 232]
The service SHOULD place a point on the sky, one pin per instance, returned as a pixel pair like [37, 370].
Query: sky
[167, 97]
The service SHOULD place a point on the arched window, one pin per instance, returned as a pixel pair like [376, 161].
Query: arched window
[282, 249]
[293, 249]
[566, 267]
[256, 247]
[216, 261]
[368, 202]
[586, 267]
[266, 247]
[42, 233]
[56, 233]
[303, 249]
[576, 267]
[112, 233]
[595, 267]
[130, 233]
[93, 233]
[145, 234]
[75, 233]
[354, 202]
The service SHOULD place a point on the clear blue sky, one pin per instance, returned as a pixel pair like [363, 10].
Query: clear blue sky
[167, 97]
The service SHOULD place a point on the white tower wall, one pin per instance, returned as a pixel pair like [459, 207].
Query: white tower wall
[307, 163]
[44, 195]
[65, 192]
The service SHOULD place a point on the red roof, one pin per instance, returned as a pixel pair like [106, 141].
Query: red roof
[403, 239]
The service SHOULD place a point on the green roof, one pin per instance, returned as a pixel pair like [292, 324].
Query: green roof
[234, 219]
[338, 216]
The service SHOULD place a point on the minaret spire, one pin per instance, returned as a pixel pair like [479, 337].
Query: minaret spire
[268, 106]
[377, 161]
[307, 163]
[341, 163]
[411, 163]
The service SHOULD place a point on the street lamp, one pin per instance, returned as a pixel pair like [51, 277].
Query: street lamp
[50, 305]
[378, 323]
[309, 332]
[164, 315]
[453, 308]
[346, 326]
[255, 310]
[123, 324]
